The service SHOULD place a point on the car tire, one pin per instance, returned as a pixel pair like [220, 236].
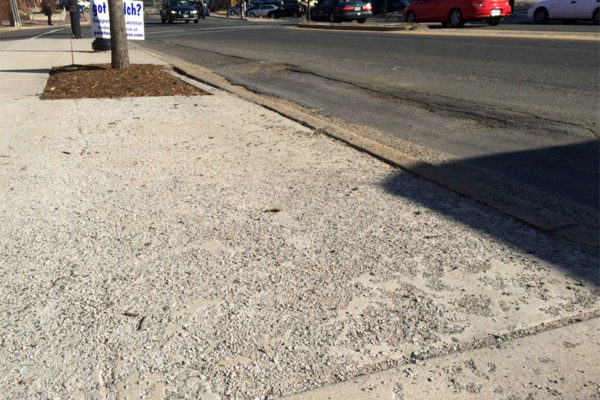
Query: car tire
[164, 21]
[361, 20]
[332, 18]
[170, 20]
[187, 21]
[271, 15]
[540, 16]
[455, 18]
[252, 15]
[493, 21]
[410, 17]
[295, 15]
[197, 20]
[597, 16]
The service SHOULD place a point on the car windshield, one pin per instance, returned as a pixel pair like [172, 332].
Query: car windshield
[179, 3]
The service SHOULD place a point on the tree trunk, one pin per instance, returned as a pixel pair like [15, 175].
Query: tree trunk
[118, 35]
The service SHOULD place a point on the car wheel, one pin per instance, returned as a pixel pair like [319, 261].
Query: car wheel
[456, 18]
[540, 16]
[164, 21]
[170, 20]
[271, 15]
[252, 15]
[331, 18]
[410, 17]
[187, 21]
[361, 20]
[597, 16]
[295, 15]
[493, 21]
[197, 20]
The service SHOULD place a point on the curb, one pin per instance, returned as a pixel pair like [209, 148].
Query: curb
[424, 30]
[400, 26]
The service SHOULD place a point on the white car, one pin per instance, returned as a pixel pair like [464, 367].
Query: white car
[567, 10]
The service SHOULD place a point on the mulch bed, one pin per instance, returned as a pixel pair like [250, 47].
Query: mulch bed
[101, 81]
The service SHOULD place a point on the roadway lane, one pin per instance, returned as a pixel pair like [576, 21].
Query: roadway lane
[513, 74]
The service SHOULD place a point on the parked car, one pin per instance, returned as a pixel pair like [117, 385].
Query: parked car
[234, 11]
[290, 10]
[341, 10]
[266, 10]
[178, 10]
[567, 10]
[392, 5]
[456, 12]
[262, 3]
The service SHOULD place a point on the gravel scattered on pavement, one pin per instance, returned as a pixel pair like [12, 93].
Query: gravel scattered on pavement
[138, 259]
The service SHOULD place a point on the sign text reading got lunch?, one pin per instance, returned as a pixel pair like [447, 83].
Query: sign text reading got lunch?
[134, 19]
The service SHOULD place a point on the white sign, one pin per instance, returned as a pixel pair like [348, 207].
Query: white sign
[134, 19]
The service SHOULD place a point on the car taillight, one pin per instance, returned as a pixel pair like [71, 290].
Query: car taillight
[477, 4]
[347, 8]
[368, 7]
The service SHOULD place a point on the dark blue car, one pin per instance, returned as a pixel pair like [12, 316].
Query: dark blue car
[178, 10]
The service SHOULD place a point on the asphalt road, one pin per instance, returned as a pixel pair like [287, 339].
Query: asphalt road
[518, 114]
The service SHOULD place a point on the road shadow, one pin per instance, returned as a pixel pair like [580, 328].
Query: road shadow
[577, 188]
[47, 51]
[569, 171]
[28, 71]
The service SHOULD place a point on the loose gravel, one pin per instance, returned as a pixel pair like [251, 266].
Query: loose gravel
[187, 247]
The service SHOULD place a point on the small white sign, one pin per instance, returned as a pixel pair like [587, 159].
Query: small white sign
[134, 19]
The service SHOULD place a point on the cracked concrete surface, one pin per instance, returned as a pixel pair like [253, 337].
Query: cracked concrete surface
[206, 247]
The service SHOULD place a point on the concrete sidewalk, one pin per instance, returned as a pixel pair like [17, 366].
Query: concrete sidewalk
[205, 247]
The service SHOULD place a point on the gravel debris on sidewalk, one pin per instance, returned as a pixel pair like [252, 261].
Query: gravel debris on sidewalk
[142, 255]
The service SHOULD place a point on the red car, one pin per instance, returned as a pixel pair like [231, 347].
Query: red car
[456, 12]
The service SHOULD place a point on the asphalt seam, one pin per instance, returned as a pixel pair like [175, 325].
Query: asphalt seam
[448, 105]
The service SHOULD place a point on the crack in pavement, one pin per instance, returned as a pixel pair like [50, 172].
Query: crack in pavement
[487, 115]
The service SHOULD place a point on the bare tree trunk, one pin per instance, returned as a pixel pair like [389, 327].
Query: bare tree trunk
[119, 52]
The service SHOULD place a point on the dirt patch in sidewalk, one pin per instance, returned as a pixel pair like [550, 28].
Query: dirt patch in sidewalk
[101, 81]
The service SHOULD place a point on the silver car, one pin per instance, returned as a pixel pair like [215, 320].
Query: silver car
[267, 10]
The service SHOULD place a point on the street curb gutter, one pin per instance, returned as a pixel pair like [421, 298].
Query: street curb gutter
[364, 27]
[385, 148]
